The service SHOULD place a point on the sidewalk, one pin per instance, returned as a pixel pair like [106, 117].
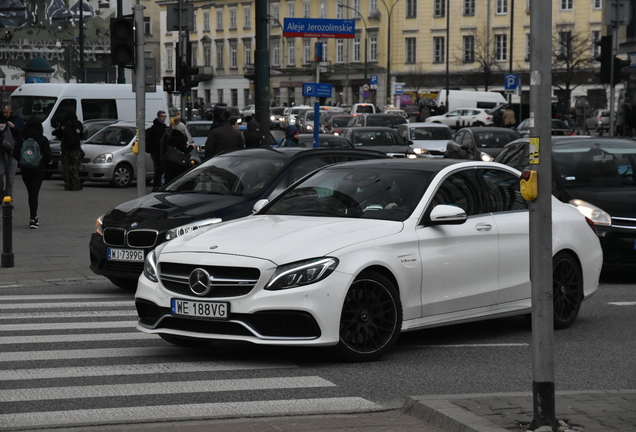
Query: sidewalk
[57, 253]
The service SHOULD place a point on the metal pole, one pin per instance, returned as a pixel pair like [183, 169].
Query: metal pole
[447, 54]
[7, 233]
[140, 93]
[121, 71]
[512, 28]
[261, 66]
[540, 218]
[388, 51]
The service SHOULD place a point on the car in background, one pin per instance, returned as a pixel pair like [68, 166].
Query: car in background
[384, 120]
[222, 188]
[199, 131]
[431, 137]
[597, 176]
[396, 111]
[558, 128]
[235, 113]
[324, 140]
[382, 139]
[356, 253]
[248, 111]
[599, 121]
[463, 117]
[276, 118]
[479, 143]
[292, 113]
[337, 122]
[305, 121]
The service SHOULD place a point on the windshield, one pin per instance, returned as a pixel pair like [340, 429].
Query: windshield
[199, 130]
[376, 138]
[119, 136]
[430, 133]
[351, 192]
[341, 121]
[228, 175]
[596, 164]
[28, 106]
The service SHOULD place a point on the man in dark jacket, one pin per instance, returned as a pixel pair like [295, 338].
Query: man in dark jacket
[9, 124]
[223, 137]
[153, 146]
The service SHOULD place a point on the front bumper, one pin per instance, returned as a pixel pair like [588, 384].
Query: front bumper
[101, 265]
[619, 245]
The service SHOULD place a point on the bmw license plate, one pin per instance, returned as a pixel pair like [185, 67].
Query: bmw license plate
[134, 255]
[197, 309]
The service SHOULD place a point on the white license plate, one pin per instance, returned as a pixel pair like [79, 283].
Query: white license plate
[135, 255]
[197, 309]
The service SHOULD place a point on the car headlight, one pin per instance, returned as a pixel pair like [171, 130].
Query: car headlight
[419, 151]
[150, 267]
[103, 158]
[336, 133]
[590, 211]
[185, 229]
[310, 127]
[272, 118]
[486, 157]
[301, 273]
[99, 225]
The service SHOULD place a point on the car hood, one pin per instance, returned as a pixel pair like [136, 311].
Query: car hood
[282, 239]
[439, 145]
[162, 211]
[617, 201]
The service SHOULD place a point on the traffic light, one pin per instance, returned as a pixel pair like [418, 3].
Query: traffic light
[619, 75]
[122, 41]
[605, 57]
[191, 77]
[168, 84]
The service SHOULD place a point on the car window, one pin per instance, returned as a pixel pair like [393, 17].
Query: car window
[374, 138]
[113, 136]
[494, 139]
[502, 192]
[455, 113]
[600, 165]
[341, 121]
[460, 189]
[199, 130]
[515, 155]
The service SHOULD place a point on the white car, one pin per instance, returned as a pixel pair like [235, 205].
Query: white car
[248, 111]
[355, 253]
[431, 137]
[463, 117]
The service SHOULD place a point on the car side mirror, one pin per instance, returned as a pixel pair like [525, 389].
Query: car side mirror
[258, 205]
[444, 214]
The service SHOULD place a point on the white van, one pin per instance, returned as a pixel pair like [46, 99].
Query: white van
[470, 99]
[50, 102]
[363, 108]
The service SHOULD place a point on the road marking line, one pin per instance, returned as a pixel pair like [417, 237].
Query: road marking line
[623, 303]
[15, 340]
[64, 305]
[22, 356]
[81, 325]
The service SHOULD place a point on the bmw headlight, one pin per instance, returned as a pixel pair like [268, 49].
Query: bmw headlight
[486, 157]
[150, 267]
[103, 158]
[185, 229]
[99, 225]
[301, 273]
[590, 211]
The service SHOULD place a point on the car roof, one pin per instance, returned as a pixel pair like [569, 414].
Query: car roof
[488, 129]
[422, 164]
[370, 128]
[424, 124]
[300, 152]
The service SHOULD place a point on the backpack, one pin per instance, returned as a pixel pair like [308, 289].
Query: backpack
[30, 154]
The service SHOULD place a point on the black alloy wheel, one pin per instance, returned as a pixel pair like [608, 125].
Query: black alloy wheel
[371, 318]
[567, 289]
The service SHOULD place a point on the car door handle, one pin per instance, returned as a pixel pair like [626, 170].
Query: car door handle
[483, 227]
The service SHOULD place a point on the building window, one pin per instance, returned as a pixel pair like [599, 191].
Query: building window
[468, 46]
[306, 9]
[169, 57]
[219, 19]
[234, 96]
[339, 50]
[598, 4]
[411, 51]
[193, 55]
[219, 55]
[411, 8]
[502, 7]
[147, 30]
[207, 56]
[439, 49]
[247, 17]
[291, 52]
[565, 44]
[501, 47]
[206, 20]
[219, 94]
[373, 4]
[339, 10]
[373, 48]
[276, 52]
[233, 55]
[325, 54]
[439, 8]
[566, 5]
[247, 52]
[596, 49]
[306, 51]
[291, 10]
[356, 5]
[323, 9]
[356, 49]
[276, 13]
[469, 7]
[233, 19]
[527, 47]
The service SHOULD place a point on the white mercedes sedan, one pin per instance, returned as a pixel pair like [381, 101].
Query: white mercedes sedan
[355, 253]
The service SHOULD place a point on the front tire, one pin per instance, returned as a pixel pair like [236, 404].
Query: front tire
[567, 289]
[122, 177]
[371, 318]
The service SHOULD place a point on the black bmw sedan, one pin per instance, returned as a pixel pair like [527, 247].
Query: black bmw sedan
[222, 188]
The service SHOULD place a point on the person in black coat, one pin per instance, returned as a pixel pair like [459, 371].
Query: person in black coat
[153, 145]
[69, 133]
[179, 141]
[33, 177]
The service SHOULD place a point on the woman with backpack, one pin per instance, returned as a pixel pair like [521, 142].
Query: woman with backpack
[34, 145]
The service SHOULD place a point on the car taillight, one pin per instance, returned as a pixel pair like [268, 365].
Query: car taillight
[591, 224]
[487, 117]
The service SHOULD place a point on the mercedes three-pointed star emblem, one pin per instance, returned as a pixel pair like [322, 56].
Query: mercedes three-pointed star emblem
[200, 282]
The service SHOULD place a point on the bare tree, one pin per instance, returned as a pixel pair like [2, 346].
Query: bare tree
[572, 61]
[416, 81]
[483, 53]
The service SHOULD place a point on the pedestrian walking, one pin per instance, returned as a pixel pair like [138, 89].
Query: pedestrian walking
[291, 136]
[252, 135]
[153, 146]
[69, 133]
[33, 176]
[223, 137]
[509, 118]
[12, 125]
[178, 140]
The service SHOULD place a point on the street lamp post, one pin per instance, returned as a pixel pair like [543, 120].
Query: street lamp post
[388, 51]
[366, 35]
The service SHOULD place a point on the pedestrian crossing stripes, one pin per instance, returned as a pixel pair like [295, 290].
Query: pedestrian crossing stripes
[77, 360]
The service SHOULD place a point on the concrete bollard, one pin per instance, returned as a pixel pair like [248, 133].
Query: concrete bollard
[7, 233]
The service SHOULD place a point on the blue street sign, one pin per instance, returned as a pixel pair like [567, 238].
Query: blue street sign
[317, 90]
[319, 28]
[398, 89]
[374, 80]
[511, 82]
